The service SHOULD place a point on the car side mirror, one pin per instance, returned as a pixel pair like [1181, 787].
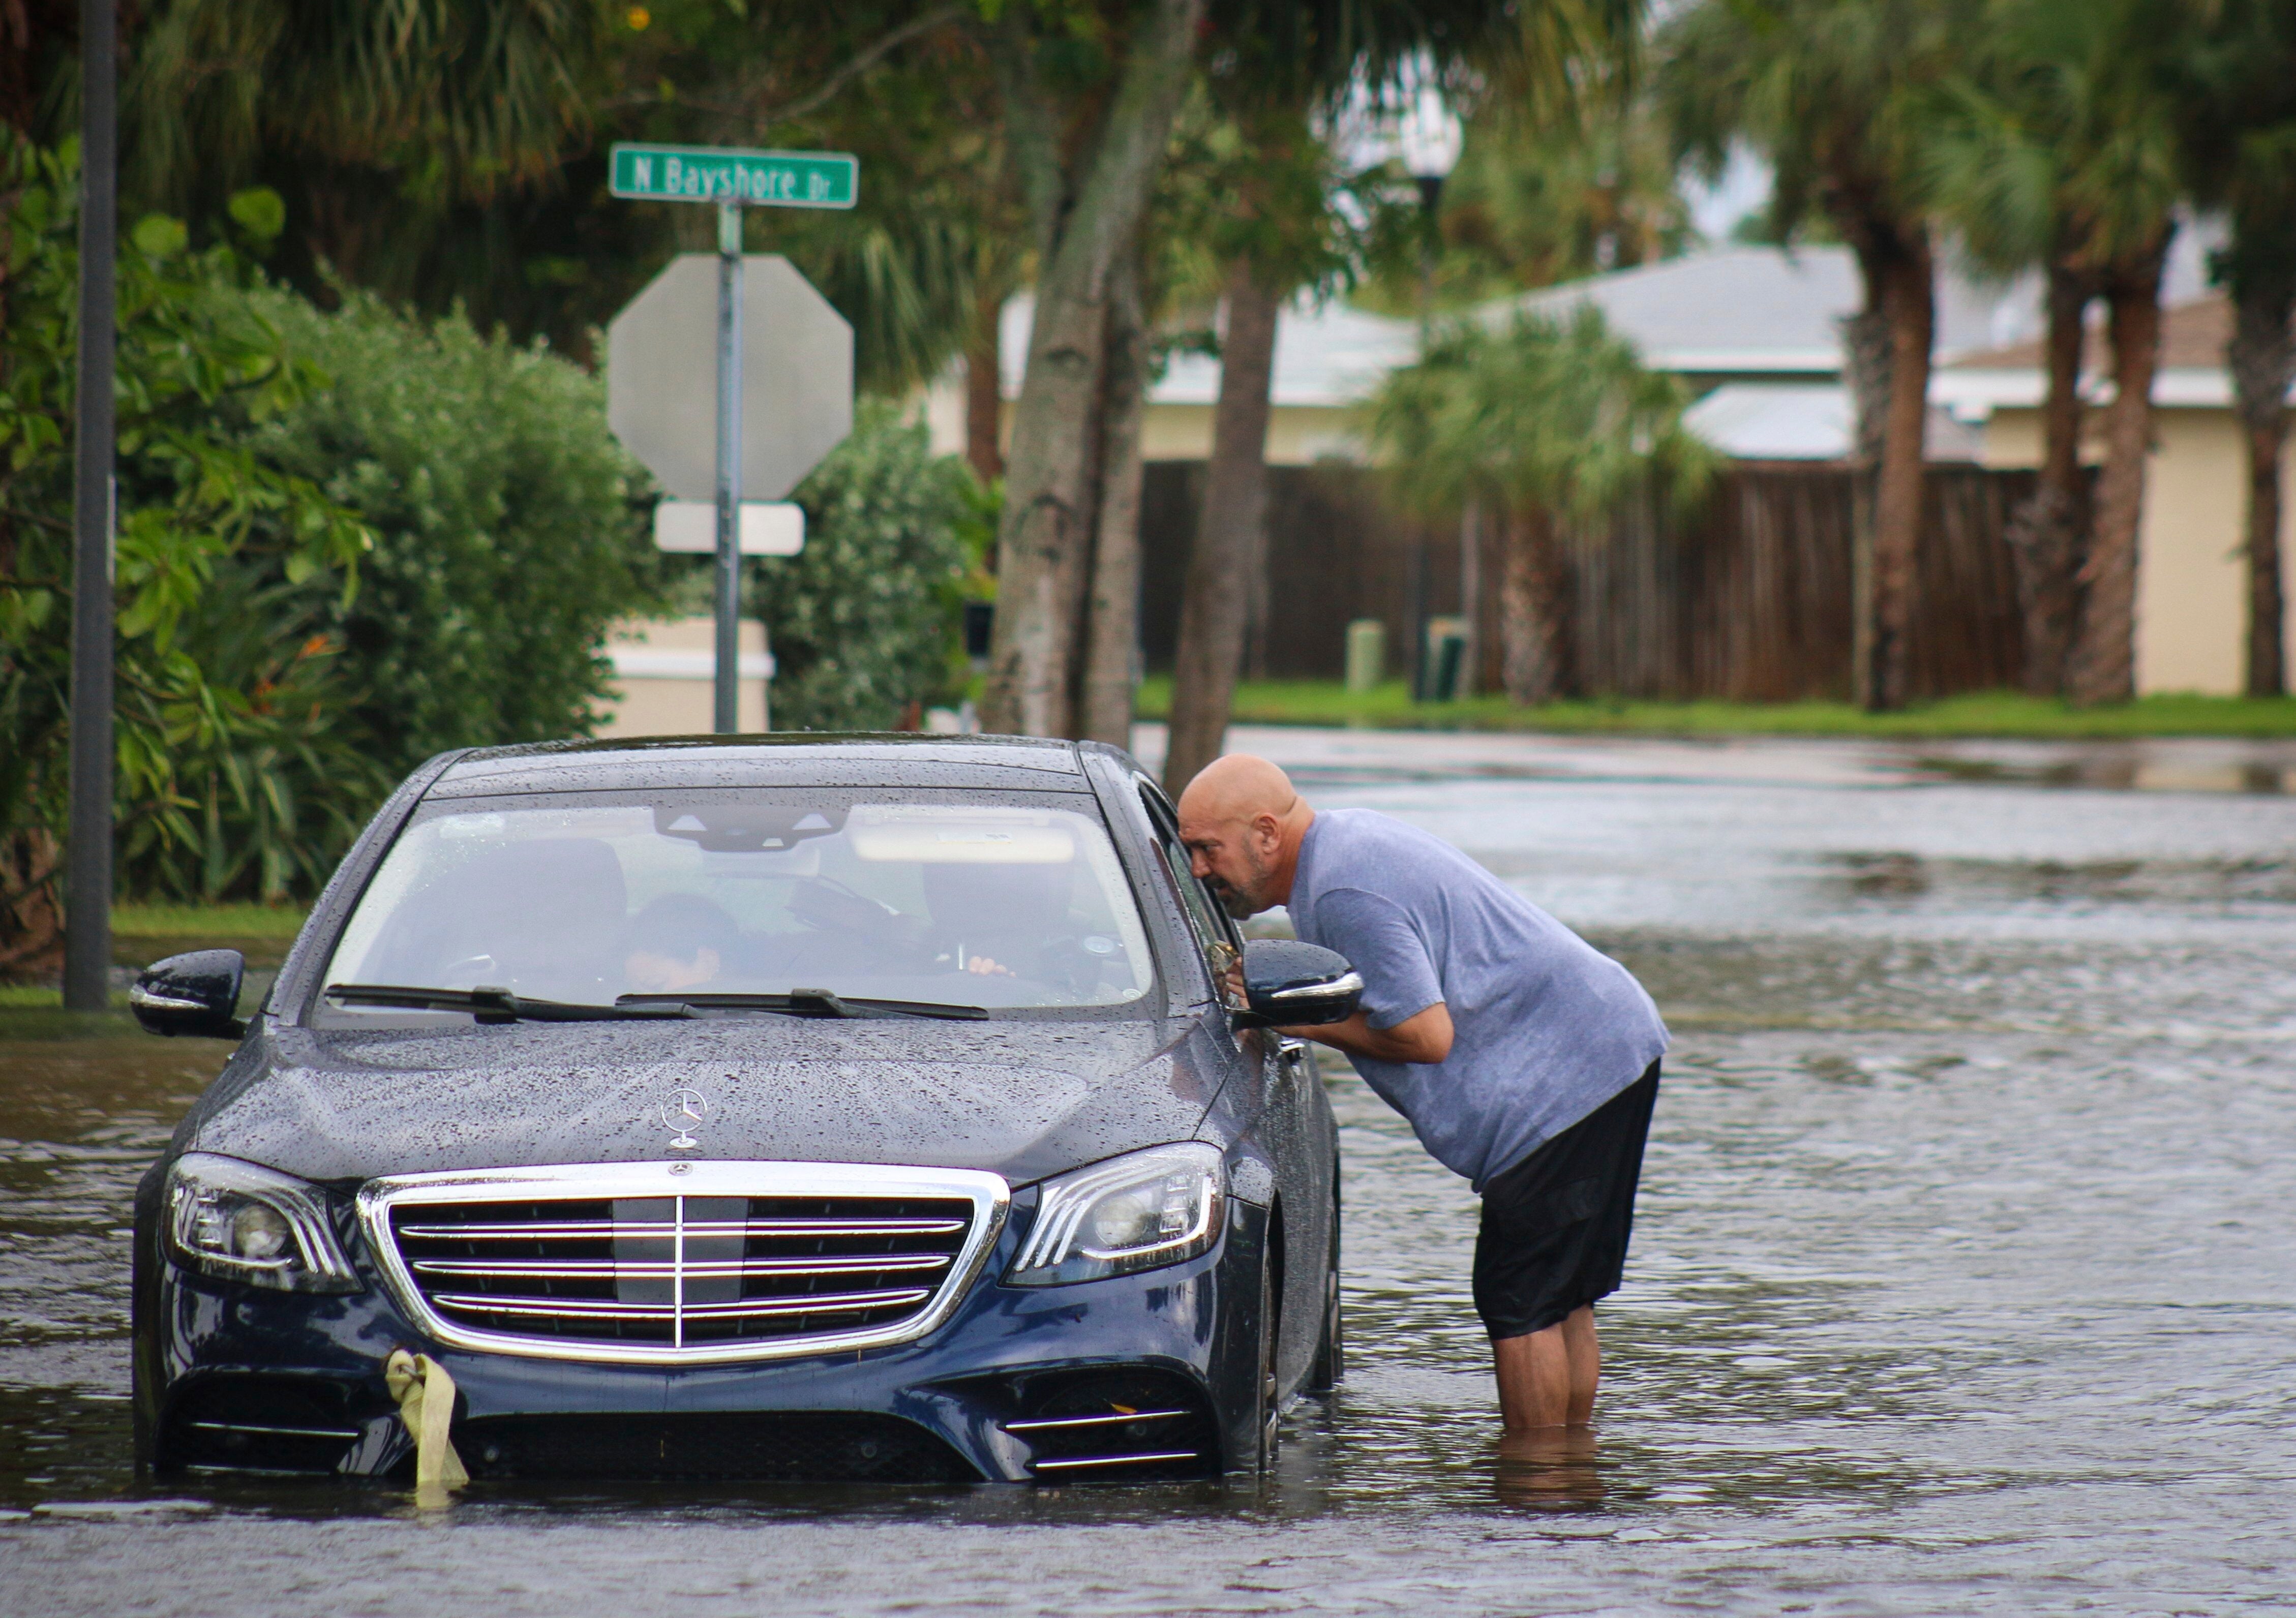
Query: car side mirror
[194, 994]
[1287, 983]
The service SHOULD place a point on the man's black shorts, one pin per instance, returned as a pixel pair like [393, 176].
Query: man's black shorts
[1555, 1225]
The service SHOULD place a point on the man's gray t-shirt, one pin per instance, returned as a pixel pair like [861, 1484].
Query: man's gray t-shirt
[1545, 1028]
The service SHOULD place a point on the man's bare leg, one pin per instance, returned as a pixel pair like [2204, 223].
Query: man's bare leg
[1548, 1378]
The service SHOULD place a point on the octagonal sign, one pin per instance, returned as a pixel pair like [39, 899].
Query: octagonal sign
[797, 377]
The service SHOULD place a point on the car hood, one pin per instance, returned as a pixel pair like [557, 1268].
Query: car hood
[1023, 1099]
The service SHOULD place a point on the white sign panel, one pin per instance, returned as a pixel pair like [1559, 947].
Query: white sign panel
[775, 529]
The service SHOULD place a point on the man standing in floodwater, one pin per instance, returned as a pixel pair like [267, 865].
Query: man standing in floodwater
[1524, 1058]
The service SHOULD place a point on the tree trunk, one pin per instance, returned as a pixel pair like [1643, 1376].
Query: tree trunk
[2105, 658]
[1049, 505]
[31, 912]
[1470, 596]
[2045, 534]
[2261, 356]
[1112, 621]
[984, 392]
[1534, 620]
[1866, 354]
[1217, 592]
[1909, 302]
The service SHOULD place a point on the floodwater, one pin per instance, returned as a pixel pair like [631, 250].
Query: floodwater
[1962, 1281]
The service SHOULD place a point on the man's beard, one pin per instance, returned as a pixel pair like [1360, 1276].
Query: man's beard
[1243, 902]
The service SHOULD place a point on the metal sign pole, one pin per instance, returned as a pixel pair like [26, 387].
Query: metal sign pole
[729, 469]
[87, 870]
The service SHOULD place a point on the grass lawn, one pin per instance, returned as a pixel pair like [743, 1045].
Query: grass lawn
[279, 921]
[1992, 713]
[141, 934]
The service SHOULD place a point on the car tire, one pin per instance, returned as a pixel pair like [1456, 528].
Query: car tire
[1270, 1404]
[1330, 1352]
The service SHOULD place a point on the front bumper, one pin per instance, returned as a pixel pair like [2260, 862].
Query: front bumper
[1007, 1387]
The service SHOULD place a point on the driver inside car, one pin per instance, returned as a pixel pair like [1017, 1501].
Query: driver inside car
[679, 942]
[997, 920]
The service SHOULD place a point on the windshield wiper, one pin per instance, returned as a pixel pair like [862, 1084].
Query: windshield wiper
[492, 1005]
[803, 1003]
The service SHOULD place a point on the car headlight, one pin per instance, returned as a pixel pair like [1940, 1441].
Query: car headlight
[253, 1224]
[1132, 1212]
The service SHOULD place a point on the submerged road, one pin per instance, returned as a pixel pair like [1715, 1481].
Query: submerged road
[1964, 1279]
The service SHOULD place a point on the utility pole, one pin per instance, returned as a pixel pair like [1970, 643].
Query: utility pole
[87, 852]
[728, 687]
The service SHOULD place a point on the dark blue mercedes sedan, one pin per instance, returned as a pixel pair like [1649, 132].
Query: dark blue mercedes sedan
[793, 1108]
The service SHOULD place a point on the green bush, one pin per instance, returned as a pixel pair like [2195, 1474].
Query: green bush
[510, 527]
[866, 621]
[233, 774]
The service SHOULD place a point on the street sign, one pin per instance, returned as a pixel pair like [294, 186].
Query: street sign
[796, 391]
[726, 174]
[797, 377]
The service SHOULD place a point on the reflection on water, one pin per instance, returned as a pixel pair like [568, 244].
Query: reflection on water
[1557, 1469]
[1961, 1284]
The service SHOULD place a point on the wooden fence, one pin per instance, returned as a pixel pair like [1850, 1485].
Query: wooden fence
[1747, 598]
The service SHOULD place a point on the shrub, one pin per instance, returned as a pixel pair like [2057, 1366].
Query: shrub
[866, 621]
[510, 527]
[231, 777]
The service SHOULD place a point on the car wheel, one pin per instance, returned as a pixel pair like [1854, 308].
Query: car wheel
[1331, 1358]
[1271, 1304]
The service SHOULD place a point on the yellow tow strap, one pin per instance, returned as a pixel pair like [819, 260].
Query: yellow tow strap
[425, 1394]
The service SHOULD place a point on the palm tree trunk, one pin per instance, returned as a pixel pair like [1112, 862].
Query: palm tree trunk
[1050, 494]
[984, 393]
[2261, 356]
[1909, 302]
[1217, 592]
[1865, 361]
[2045, 534]
[1112, 612]
[1534, 640]
[2104, 658]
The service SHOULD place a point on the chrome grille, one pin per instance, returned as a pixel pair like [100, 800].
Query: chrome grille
[686, 1262]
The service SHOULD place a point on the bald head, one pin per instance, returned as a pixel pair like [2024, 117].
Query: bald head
[1242, 819]
[1238, 785]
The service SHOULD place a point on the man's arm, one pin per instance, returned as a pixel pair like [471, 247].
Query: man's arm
[1424, 1038]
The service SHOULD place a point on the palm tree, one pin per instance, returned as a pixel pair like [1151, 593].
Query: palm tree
[2050, 149]
[2241, 124]
[1262, 190]
[1832, 92]
[1552, 427]
[2060, 145]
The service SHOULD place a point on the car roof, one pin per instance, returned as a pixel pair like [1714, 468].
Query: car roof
[791, 759]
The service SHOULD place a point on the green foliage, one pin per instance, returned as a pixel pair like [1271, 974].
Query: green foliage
[1834, 93]
[234, 777]
[509, 526]
[866, 619]
[1558, 416]
[2058, 137]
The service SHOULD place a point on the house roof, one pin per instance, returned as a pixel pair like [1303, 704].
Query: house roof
[1326, 355]
[1806, 422]
[1761, 309]
[2192, 338]
[2192, 373]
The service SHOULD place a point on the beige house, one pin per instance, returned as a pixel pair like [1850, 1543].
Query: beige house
[2191, 619]
[664, 677]
[1328, 359]
[1754, 332]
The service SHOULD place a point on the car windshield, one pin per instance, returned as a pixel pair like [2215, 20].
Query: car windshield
[978, 899]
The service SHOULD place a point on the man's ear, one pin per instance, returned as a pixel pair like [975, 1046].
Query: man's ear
[1269, 829]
